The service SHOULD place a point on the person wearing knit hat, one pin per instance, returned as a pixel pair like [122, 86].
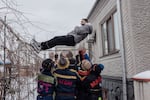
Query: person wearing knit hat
[47, 64]
[63, 63]
[83, 72]
[83, 55]
[66, 80]
[86, 65]
[46, 82]
[85, 68]
[72, 60]
[91, 83]
[97, 68]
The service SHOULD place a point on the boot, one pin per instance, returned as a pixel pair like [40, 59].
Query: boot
[35, 45]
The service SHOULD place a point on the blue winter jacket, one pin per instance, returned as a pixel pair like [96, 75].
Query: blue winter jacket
[66, 80]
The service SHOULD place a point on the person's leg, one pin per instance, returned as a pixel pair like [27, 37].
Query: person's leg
[58, 40]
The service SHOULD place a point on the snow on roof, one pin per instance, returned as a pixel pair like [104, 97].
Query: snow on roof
[143, 76]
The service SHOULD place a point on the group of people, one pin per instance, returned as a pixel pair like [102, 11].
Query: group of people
[69, 78]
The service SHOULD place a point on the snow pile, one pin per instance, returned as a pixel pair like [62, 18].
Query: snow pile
[143, 76]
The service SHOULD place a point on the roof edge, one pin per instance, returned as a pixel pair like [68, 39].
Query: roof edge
[93, 8]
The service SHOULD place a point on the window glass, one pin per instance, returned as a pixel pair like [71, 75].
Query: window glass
[110, 34]
[116, 31]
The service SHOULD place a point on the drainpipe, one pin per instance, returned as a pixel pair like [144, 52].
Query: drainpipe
[122, 48]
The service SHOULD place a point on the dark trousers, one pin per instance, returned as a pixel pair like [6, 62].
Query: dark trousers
[82, 95]
[67, 40]
[88, 95]
[64, 98]
[95, 95]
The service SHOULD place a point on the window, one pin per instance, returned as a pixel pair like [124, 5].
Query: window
[110, 35]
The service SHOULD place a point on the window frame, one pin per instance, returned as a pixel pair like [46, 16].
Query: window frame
[108, 52]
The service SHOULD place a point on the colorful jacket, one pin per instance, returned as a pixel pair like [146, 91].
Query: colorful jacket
[66, 80]
[46, 83]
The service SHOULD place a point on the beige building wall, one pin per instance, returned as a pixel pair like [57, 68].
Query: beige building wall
[113, 62]
[136, 30]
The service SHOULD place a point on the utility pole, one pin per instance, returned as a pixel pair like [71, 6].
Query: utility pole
[4, 94]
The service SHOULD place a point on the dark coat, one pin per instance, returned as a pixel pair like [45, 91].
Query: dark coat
[46, 86]
[66, 80]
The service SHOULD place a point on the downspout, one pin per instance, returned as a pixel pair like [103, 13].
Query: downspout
[122, 48]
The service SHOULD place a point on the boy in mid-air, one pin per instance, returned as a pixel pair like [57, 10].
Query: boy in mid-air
[71, 39]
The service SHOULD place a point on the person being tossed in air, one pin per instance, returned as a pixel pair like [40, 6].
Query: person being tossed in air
[71, 39]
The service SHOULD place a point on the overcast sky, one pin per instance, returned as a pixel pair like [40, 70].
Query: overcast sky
[54, 17]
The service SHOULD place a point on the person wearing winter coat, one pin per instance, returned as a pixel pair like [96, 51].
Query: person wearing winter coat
[92, 83]
[71, 39]
[66, 81]
[83, 72]
[83, 55]
[72, 60]
[46, 82]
